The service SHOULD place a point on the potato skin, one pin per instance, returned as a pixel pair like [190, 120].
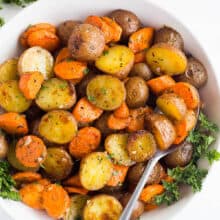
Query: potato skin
[137, 92]
[3, 146]
[142, 70]
[128, 21]
[181, 157]
[86, 42]
[195, 74]
[170, 36]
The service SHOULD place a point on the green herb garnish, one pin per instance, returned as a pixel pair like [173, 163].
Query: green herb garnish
[91, 98]
[2, 21]
[86, 71]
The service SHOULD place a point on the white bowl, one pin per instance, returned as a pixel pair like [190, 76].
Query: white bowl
[149, 14]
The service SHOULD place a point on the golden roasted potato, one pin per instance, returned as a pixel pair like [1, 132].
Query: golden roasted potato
[162, 129]
[102, 207]
[172, 105]
[95, 170]
[117, 61]
[165, 59]
[11, 98]
[58, 126]
[106, 92]
[9, 70]
[3, 146]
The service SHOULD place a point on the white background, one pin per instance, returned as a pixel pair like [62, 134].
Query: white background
[203, 18]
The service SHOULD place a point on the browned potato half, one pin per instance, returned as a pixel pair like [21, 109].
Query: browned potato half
[170, 36]
[64, 30]
[172, 105]
[128, 21]
[141, 146]
[138, 208]
[9, 70]
[95, 170]
[58, 126]
[142, 70]
[3, 146]
[165, 59]
[86, 42]
[36, 59]
[116, 146]
[181, 157]
[117, 61]
[137, 92]
[56, 94]
[195, 74]
[162, 129]
[11, 98]
[106, 92]
[58, 163]
[191, 119]
[102, 207]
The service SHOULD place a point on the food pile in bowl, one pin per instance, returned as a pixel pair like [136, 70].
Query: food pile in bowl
[87, 104]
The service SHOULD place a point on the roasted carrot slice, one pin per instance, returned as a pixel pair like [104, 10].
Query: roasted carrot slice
[55, 200]
[115, 123]
[168, 178]
[141, 39]
[30, 151]
[30, 84]
[140, 57]
[118, 175]
[63, 54]
[85, 112]
[13, 123]
[73, 181]
[181, 131]
[86, 141]
[122, 111]
[44, 182]
[74, 190]
[26, 177]
[149, 207]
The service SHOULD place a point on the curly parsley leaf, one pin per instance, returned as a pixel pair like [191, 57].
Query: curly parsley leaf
[213, 155]
[21, 3]
[206, 124]
[2, 21]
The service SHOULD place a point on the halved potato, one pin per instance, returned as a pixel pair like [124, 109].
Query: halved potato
[106, 92]
[163, 59]
[141, 146]
[102, 207]
[56, 94]
[58, 126]
[36, 59]
[11, 98]
[95, 170]
[162, 129]
[116, 146]
[117, 61]
[9, 70]
[172, 105]
[191, 120]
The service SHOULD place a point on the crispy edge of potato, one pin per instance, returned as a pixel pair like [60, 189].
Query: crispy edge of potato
[8, 70]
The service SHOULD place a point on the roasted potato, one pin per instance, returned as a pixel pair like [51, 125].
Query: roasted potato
[56, 94]
[191, 119]
[117, 61]
[95, 170]
[165, 59]
[141, 146]
[9, 70]
[137, 92]
[115, 145]
[86, 42]
[172, 105]
[142, 70]
[181, 157]
[11, 98]
[36, 59]
[102, 207]
[128, 21]
[58, 126]
[106, 92]
[162, 129]
[64, 30]
[3, 146]
[138, 208]
[170, 36]
[195, 74]
[58, 163]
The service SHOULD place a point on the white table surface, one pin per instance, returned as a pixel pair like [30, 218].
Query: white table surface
[201, 16]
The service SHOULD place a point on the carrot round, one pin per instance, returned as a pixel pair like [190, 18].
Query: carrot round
[118, 175]
[30, 84]
[86, 141]
[181, 131]
[140, 57]
[30, 151]
[55, 200]
[26, 177]
[150, 207]
[168, 178]
[116, 123]
[63, 54]
[71, 189]
[73, 181]
[70, 69]
[85, 112]
[13, 123]
[122, 111]
[44, 39]
[149, 192]
[43, 182]
[141, 39]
